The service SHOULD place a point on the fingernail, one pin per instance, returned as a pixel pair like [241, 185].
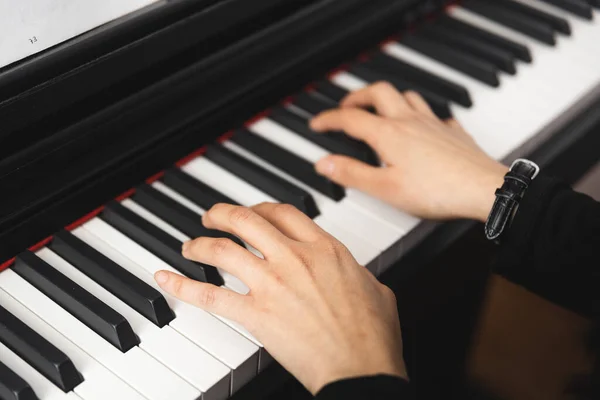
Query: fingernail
[161, 277]
[325, 167]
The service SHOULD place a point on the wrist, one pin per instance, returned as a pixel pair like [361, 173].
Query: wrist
[355, 375]
[395, 368]
[491, 179]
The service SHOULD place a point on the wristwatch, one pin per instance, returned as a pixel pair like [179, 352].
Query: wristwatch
[522, 172]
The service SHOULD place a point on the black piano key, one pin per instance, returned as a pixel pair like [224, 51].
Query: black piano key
[502, 59]
[311, 104]
[130, 289]
[176, 214]
[38, 352]
[331, 91]
[536, 29]
[98, 316]
[558, 23]
[289, 162]
[518, 50]
[594, 3]
[198, 192]
[430, 82]
[264, 180]
[335, 103]
[13, 387]
[477, 69]
[158, 242]
[335, 142]
[577, 7]
[440, 106]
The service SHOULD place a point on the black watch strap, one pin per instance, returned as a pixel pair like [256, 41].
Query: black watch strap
[516, 182]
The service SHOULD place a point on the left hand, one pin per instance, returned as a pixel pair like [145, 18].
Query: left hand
[316, 310]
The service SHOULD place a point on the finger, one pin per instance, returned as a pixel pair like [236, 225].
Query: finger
[213, 299]
[388, 101]
[225, 254]
[454, 124]
[290, 221]
[357, 123]
[456, 129]
[247, 225]
[350, 172]
[418, 103]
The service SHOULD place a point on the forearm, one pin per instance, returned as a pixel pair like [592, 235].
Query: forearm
[380, 387]
[553, 244]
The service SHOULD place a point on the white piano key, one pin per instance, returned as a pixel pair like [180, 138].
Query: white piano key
[583, 31]
[189, 361]
[216, 376]
[194, 324]
[197, 367]
[237, 189]
[578, 38]
[230, 185]
[311, 152]
[42, 387]
[264, 358]
[539, 92]
[413, 57]
[349, 81]
[486, 121]
[383, 210]
[138, 369]
[98, 382]
[202, 328]
[536, 47]
[282, 136]
[553, 68]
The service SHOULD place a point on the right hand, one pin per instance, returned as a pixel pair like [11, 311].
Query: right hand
[317, 311]
[433, 169]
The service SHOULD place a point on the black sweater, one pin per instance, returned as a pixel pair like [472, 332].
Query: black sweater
[552, 248]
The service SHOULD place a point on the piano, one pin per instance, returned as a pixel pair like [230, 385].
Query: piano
[114, 141]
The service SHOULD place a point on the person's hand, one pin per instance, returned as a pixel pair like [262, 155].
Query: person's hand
[316, 310]
[432, 169]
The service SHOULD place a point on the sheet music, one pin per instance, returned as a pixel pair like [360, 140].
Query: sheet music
[30, 26]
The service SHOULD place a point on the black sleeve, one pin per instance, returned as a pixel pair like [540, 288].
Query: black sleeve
[379, 387]
[553, 246]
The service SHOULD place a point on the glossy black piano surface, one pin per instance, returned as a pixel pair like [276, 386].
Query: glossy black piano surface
[85, 122]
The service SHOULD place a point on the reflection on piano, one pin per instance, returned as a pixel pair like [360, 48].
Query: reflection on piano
[128, 107]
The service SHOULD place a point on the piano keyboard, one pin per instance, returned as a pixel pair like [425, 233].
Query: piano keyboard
[82, 318]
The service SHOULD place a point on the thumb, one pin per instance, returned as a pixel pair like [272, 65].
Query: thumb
[350, 172]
